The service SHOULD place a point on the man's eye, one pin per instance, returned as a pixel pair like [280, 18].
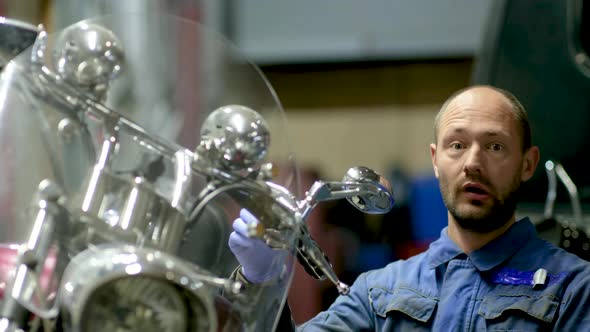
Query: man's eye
[496, 147]
[456, 146]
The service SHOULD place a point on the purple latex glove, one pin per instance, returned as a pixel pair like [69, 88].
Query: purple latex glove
[259, 262]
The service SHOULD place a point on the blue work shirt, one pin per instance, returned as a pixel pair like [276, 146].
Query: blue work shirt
[490, 289]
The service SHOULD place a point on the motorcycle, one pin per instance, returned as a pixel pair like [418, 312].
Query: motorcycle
[115, 212]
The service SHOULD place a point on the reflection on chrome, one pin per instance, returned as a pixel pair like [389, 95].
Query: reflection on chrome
[117, 204]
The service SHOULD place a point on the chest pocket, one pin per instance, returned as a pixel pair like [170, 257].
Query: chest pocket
[518, 312]
[415, 309]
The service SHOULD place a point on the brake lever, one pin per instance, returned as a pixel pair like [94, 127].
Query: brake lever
[315, 262]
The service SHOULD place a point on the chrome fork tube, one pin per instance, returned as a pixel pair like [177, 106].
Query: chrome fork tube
[24, 288]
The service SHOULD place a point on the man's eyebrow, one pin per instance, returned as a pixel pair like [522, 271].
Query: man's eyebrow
[461, 130]
[457, 130]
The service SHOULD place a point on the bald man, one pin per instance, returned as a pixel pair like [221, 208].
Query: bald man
[487, 271]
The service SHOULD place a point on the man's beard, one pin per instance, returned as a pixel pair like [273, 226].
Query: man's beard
[497, 215]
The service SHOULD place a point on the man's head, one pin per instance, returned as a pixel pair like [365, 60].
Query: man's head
[481, 155]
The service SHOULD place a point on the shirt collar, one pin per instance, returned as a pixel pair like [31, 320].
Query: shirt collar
[442, 250]
[487, 257]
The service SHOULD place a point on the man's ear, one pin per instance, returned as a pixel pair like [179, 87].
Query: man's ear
[530, 162]
[433, 158]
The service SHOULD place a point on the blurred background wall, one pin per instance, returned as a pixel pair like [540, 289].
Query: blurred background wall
[361, 82]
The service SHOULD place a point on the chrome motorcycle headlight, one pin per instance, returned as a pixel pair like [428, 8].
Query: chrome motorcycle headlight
[143, 304]
[124, 288]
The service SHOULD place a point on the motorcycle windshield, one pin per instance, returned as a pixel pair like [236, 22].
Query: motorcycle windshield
[129, 145]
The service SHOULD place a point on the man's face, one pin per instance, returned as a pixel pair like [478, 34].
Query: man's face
[478, 160]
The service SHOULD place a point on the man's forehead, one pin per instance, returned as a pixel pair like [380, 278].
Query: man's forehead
[486, 114]
[486, 121]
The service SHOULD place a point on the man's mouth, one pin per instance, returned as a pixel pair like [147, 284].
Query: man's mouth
[476, 191]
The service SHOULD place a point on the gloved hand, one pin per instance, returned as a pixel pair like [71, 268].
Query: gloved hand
[259, 262]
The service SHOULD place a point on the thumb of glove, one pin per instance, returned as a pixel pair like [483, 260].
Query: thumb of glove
[260, 263]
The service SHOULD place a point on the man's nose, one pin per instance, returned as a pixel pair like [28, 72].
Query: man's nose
[473, 160]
